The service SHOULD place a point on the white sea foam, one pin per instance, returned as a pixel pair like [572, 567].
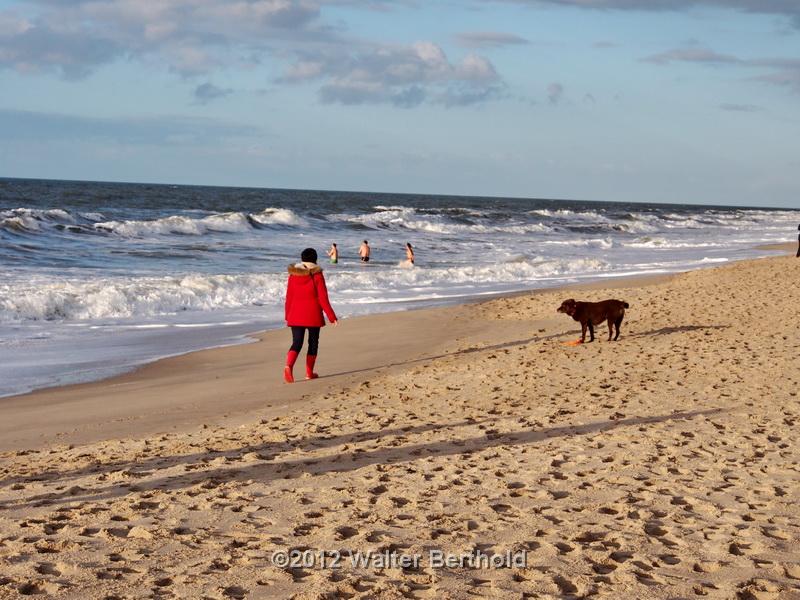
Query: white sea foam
[40, 221]
[439, 210]
[602, 243]
[29, 219]
[664, 243]
[401, 217]
[278, 216]
[521, 272]
[565, 213]
[177, 224]
[115, 298]
[107, 298]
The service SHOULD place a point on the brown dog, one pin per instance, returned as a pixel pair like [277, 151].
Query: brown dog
[594, 313]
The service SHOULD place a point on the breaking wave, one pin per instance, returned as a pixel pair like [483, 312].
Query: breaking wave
[442, 221]
[34, 221]
[121, 298]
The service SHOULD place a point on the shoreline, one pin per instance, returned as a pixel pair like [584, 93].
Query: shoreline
[100, 418]
[788, 247]
[135, 403]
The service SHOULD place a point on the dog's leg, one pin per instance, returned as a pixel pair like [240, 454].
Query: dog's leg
[610, 326]
[583, 332]
[591, 332]
[617, 323]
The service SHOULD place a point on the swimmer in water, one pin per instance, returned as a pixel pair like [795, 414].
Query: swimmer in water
[364, 251]
[409, 254]
[334, 254]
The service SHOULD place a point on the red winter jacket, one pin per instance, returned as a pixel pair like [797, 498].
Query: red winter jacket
[307, 297]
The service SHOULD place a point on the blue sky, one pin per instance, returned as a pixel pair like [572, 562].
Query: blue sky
[691, 101]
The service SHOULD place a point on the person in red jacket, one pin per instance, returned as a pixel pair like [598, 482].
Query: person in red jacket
[306, 300]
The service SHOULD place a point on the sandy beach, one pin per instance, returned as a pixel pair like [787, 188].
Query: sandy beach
[664, 465]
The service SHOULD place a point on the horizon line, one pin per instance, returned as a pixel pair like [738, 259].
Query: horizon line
[500, 197]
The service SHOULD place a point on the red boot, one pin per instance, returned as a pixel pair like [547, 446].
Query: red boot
[310, 360]
[291, 358]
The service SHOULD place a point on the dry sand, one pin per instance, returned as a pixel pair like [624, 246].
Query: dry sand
[664, 465]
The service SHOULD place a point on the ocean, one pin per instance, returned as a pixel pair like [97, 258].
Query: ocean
[98, 278]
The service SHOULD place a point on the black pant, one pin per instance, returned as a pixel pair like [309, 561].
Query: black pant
[298, 333]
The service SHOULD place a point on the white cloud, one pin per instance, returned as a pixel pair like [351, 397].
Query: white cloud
[189, 36]
[195, 38]
[786, 8]
[206, 92]
[489, 39]
[692, 54]
[476, 68]
[784, 71]
[404, 76]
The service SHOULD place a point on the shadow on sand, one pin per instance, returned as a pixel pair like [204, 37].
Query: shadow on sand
[273, 469]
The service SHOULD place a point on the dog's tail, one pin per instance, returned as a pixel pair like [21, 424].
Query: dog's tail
[626, 305]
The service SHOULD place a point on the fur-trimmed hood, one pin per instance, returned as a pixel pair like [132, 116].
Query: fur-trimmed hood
[304, 269]
[307, 297]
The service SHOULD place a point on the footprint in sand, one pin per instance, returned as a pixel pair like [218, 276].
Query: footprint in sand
[345, 533]
[48, 569]
[566, 586]
[107, 575]
[589, 537]
[669, 559]
[621, 557]
[36, 588]
[739, 548]
[299, 574]
[563, 548]
[648, 578]
[775, 533]
[163, 582]
[305, 529]
[604, 568]
[53, 528]
[376, 536]
[236, 592]
[759, 589]
[609, 510]
[378, 489]
[655, 529]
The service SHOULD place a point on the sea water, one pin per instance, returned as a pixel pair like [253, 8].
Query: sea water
[97, 278]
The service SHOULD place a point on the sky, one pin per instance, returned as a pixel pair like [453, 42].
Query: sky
[685, 101]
